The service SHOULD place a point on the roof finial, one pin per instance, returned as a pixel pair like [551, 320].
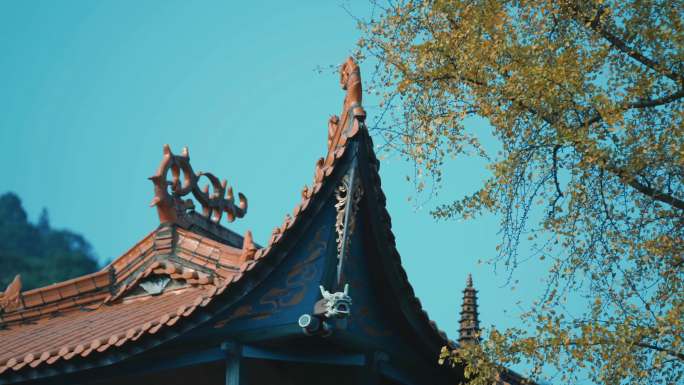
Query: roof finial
[353, 114]
[350, 80]
[168, 194]
[469, 331]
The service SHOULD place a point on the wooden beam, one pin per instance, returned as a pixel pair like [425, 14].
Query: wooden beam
[141, 365]
[274, 332]
[291, 355]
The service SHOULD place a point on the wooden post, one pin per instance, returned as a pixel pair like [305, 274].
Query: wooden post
[234, 370]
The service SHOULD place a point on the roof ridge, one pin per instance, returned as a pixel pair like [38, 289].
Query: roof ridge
[101, 344]
[58, 296]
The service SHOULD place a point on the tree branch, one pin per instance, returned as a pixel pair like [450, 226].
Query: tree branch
[595, 24]
[657, 102]
[671, 353]
[603, 342]
[644, 189]
[621, 173]
[559, 193]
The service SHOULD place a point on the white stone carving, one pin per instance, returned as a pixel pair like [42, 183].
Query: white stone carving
[338, 304]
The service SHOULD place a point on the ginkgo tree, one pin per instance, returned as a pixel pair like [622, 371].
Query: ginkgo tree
[587, 101]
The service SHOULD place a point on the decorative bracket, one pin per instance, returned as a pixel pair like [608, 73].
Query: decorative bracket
[168, 194]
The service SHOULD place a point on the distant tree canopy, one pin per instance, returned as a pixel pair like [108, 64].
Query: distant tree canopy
[587, 101]
[41, 255]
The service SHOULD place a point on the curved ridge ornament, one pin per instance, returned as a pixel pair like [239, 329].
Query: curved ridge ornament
[168, 194]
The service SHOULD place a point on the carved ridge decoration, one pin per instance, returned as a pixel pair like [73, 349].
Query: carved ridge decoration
[168, 194]
[342, 195]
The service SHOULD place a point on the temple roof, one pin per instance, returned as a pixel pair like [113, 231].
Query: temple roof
[112, 307]
[189, 262]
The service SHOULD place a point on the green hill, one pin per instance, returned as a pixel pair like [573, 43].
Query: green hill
[41, 254]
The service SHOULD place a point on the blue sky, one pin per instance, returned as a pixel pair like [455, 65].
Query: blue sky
[90, 91]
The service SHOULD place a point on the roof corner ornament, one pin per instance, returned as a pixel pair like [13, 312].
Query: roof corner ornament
[10, 299]
[168, 194]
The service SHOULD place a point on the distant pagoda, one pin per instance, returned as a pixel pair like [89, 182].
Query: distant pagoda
[469, 331]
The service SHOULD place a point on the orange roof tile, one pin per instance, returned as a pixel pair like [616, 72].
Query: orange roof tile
[81, 331]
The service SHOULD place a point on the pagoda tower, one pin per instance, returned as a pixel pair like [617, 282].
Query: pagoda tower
[469, 331]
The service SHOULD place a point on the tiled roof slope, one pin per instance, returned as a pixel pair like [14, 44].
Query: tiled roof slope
[80, 333]
[94, 313]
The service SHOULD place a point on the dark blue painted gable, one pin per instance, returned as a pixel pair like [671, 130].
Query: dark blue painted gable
[292, 289]
[385, 318]
[310, 260]
[371, 318]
